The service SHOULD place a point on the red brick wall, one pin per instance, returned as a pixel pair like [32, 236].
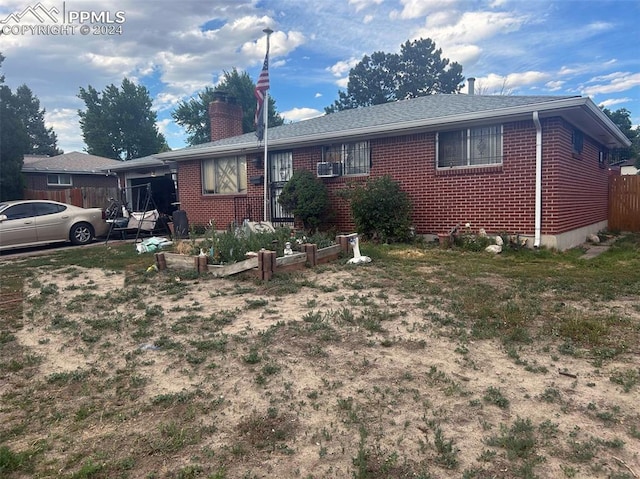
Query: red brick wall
[498, 198]
[225, 117]
[575, 187]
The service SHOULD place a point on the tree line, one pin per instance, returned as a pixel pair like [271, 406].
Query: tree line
[118, 122]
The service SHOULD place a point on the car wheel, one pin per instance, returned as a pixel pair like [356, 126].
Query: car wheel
[82, 233]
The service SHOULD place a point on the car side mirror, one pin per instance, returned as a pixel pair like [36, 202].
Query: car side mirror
[3, 218]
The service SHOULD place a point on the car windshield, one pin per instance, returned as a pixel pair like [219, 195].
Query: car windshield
[3, 206]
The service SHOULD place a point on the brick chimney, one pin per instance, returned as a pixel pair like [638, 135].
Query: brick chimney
[225, 115]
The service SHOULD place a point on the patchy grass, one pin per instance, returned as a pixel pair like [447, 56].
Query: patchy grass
[425, 363]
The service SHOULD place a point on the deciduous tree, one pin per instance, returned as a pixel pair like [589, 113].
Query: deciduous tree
[119, 123]
[622, 119]
[193, 114]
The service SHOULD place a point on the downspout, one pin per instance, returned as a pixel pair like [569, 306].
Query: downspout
[538, 204]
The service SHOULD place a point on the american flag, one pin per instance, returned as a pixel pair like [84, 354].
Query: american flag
[261, 87]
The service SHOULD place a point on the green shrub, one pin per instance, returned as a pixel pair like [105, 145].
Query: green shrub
[306, 198]
[381, 210]
[231, 246]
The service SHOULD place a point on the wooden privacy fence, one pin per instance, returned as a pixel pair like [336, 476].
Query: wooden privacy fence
[624, 203]
[86, 197]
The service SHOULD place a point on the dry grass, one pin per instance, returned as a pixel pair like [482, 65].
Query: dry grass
[424, 363]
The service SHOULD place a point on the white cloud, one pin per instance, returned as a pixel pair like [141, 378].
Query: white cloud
[614, 101]
[299, 114]
[555, 85]
[418, 8]
[615, 82]
[462, 36]
[362, 4]
[464, 54]
[343, 67]
[343, 83]
[598, 27]
[67, 128]
[498, 84]
[472, 27]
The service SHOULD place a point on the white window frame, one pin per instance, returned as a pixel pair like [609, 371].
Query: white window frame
[59, 179]
[215, 178]
[466, 147]
[355, 157]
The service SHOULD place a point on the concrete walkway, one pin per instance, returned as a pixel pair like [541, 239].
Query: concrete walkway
[594, 249]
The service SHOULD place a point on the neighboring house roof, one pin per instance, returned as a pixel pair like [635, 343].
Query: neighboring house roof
[428, 113]
[145, 163]
[74, 162]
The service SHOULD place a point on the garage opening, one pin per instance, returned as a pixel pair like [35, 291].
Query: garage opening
[163, 192]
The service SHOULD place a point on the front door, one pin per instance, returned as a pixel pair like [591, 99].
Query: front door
[280, 171]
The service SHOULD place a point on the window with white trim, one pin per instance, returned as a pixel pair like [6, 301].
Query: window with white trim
[469, 147]
[224, 176]
[355, 157]
[59, 180]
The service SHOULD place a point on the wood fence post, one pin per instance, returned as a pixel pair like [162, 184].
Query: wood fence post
[311, 251]
[202, 264]
[161, 261]
[343, 241]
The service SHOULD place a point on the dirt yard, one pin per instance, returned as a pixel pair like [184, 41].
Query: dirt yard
[336, 372]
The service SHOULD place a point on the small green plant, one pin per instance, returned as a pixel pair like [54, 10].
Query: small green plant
[447, 453]
[253, 357]
[256, 303]
[628, 378]
[551, 395]
[494, 396]
[519, 440]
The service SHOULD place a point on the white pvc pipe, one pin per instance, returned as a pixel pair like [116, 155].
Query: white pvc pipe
[538, 201]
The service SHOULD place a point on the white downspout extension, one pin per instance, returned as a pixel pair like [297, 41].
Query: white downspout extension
[538, 204]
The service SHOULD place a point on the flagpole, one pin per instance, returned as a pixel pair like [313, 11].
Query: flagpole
[266, 157]
[265, 116]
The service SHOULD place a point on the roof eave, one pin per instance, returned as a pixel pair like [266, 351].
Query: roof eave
[60, 171]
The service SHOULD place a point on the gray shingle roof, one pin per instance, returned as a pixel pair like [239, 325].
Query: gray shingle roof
[146, 162]
[374, 120]
[73, 162]
[428, 113]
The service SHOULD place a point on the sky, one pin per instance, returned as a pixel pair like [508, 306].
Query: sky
[177, 48]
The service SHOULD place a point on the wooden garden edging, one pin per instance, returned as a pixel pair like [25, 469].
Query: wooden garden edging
[265, 264]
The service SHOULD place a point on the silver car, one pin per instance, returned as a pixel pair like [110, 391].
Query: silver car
[38, 222]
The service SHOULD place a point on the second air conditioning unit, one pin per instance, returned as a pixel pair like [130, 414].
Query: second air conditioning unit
[325, 169]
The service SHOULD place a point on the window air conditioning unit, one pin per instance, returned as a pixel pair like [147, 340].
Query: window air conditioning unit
[325, 169]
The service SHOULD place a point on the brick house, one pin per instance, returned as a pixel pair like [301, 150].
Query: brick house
[529, 165]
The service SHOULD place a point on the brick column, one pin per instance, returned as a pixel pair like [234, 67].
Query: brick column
[266, 264]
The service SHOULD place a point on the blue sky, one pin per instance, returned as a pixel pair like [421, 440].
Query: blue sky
[176, 48]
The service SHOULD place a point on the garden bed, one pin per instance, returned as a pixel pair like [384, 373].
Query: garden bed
[264, 264]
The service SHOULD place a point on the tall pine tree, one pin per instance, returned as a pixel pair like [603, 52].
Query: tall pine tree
[42, 140]
[14, 142]
[418, 70]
